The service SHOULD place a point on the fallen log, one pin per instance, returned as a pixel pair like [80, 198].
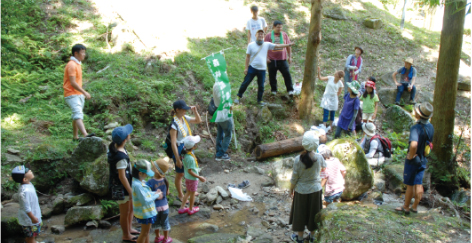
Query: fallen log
[263, 151]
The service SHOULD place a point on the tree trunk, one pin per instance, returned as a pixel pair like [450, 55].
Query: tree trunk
[263, 151]
[402, 23]
[311, 62]
[446, 88]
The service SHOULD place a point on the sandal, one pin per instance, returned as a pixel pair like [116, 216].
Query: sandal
[413, 211]
[402, 209]
[159, 239]
[243, 184]
[193, 211]
[183, 210]
[134, 240]
[181, 200]
[90, 135]
[136, 233]
[168, 240]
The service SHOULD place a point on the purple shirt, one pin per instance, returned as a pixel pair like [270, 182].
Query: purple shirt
[350, 105]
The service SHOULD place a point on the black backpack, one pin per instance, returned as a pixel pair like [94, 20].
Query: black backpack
[168, 150]
[212, 107]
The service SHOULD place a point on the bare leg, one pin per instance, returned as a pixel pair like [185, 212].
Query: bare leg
[418, 196]
[80, 125]
[157, 233]
[75, 130]
[130, 218]
[408, 197]
[184, 199]
[192, 199]
[144, 236]
[178, 185]
[124, 220]
[166, 234]
[30, 240]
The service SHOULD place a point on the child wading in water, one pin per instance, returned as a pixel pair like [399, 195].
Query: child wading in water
[191, 174]
[29, 214]
[159, 182]
[370, 102]
[143, 199]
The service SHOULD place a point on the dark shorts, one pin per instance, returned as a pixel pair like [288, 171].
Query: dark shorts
[329, 199]
[150, 220]
[32, 231]
[162, 221]
[413, 172]
[177, 169]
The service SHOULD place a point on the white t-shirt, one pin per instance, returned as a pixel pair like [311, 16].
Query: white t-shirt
[255, 25]
[180, 137]
[330, 96]
[28, 203]
[260, 61]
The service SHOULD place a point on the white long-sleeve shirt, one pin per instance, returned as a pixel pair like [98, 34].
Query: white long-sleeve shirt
[374, 147]
[28, 203]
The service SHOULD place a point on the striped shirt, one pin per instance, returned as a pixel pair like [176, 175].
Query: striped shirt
[143, 200]
[335, 182]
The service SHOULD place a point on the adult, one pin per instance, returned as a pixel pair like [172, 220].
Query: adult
[332, 177]
[330, 100]
[347, 117]
[306, 188]
[372, 147]
[415, 162]
[408, 78]
[279, 58]
[74, 94]
[254, 24]
[353, 66]
[256, 65]
[224, 127]
[120, 178]
[178, 131]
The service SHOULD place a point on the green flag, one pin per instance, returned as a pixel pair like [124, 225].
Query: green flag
[217, 64]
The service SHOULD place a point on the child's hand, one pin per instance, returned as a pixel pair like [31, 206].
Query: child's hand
[167, 192]
[34, 220]
[202, 179]
[161, 195]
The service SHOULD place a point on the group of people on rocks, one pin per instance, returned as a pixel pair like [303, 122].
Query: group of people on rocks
[315, 168]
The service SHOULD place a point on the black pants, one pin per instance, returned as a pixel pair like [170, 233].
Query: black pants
[282, 66]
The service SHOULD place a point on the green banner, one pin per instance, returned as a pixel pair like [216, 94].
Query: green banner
[217, 64]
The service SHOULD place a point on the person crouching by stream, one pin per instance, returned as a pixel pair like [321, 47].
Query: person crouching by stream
[306, 188]
[120, 178]
[178, 131]
[333, 176]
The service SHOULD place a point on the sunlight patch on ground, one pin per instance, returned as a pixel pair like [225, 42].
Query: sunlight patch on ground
[355, 6]
[299, 128]
[12, 122]
[80, 26]
[407, 34]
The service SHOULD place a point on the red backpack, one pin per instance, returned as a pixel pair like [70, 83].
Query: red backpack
[386, 145]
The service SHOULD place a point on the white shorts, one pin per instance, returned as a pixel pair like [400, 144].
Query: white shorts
[76, 103]
[367, 116]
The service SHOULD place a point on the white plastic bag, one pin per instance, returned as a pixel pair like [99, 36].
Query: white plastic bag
[297, 88]
[237, 193]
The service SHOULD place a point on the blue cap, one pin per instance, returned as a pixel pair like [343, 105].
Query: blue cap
[180, 104]
[119, 134]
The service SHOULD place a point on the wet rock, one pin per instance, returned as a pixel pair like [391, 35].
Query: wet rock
[88, 165]
[216, 237]
[80, 214]
[278, 110]
[242, 223]
[255, 210]
[267, 182]
[46, 212]
[223, 193]
[12, 159]
[58, 229]
[93, 223]
[394, 174]
[260, 171]
[379, 184]
[58, 205]
[359, 177]
[205, 188]
[201, 215]
[9, 222]
[336, 13]
[104, 224]
[212, 195]
[372, 23]
[112, 125]
[218, 207]
[79, 200]
[208, 227]
[398, 119]
[264, 115]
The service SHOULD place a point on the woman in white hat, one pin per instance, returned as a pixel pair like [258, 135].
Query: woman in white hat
[421, 137]
[407, 81]
[305, 188]
[371, 145]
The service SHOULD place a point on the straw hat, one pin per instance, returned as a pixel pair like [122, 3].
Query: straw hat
[424, 110]
[161, 166]
[360, 48]
[409, 60]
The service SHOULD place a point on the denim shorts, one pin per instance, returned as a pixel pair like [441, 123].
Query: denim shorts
[162, 221]
[331, 198]
[177, 169]
[76, 104]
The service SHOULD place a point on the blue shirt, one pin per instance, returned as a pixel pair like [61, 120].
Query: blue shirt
[160, 184]
[143, 200]
[418, 134]
[350, 105]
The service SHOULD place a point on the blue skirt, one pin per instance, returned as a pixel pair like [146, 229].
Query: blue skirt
[151, 220]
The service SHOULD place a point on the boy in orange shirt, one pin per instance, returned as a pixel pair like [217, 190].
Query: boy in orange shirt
[74, 94]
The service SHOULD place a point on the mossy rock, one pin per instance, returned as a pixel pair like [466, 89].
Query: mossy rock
[10, 225]
[359, 176]
[373, 23]
[394, 174]
[398, 119]
[79, 214]
[335, 12]
[215, 238]
[79, 200]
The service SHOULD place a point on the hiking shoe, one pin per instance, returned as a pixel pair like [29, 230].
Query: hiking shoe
[193, 211]
[291, 93]
[397, 103]
[412, 102]
[294, 238]
[244, 184]
[225, 157]
[236, 101]
[261, 103]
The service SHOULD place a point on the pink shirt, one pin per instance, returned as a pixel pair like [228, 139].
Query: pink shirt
[335, 182]
[277, 53]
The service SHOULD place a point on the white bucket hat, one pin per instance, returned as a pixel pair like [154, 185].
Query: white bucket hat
[190, 141]
[369, 129]
[310, 141]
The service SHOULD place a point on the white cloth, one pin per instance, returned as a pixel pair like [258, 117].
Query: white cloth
[260, 61]
[238, 194]
[28, 203]
[180, 137]
[122, 164]
[254, 25]
[330, 97]
[374, 146]
[75, 60]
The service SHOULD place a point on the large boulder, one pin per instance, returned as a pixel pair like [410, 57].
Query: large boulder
[79, 214]
[10, 225]
[88, 165]
[215, 238]
[335, 12]
[282, 172]
[359, 177]
[387, 96]
[398, 119]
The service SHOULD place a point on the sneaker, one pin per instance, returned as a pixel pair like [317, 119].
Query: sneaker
[223, 158]
[294, 238]
[236, 101]
[412, 102]
[274, 92]
[159, 239]
[397, 103]
[183, 210]
[291, 93]
[232, 185]
[261, 103]
[310, 238]
[168, 240]
[193, 211]
[244, 184]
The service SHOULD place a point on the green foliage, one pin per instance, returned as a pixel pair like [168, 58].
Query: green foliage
[110, 207]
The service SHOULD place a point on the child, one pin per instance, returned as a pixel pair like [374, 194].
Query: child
[143, 199]
[332, 177]
[191, 174]
[348, 114]
[362, 90]
[329, 102]
[29, 214]
[159, 182]
[254, 24]
[370, 102]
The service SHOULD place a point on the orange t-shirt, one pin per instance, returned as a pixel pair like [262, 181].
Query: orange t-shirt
[75, 70]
